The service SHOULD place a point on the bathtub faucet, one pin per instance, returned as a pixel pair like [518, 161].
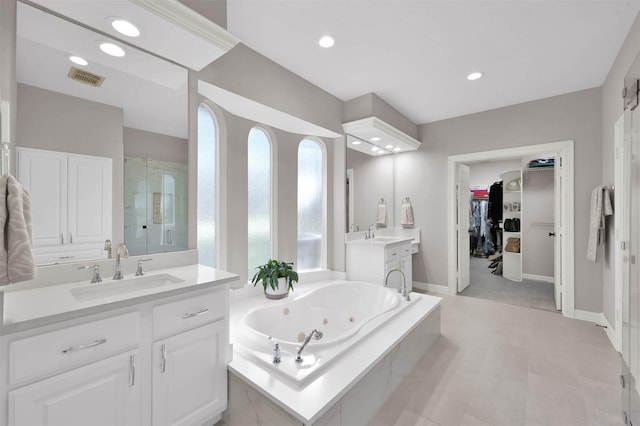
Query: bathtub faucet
[404, 290]
[316, 334]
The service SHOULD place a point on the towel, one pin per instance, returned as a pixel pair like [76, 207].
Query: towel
[18, 235]
[600, 207]
[381, 219]
[406, 215]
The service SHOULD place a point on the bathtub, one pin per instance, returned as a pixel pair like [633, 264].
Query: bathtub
[345, 312]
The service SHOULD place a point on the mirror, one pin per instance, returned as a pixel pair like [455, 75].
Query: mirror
[370, 179]
[139, 111]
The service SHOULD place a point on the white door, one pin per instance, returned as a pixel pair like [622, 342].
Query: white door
[557, 231]
[462, 216]
[89, 199]
[104, 393]
[44, 174]
[621, 211]
[190, 376]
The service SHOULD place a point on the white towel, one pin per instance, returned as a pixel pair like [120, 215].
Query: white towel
[406, 215]
[18, 233]
[600, 207]
[381, 219]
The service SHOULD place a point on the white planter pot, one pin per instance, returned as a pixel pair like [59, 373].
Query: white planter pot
[281, 291]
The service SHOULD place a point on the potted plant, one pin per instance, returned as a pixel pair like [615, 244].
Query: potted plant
[277, 278]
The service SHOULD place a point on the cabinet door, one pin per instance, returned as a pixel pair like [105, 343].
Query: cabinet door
[103, 393]
[190, 376]
[44, 174]
[89, 199]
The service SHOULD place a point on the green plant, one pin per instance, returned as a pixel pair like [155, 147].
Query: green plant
[271, 271]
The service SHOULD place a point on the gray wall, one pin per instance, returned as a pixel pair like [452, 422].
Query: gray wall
[140, 143]
[422, 175]
[372, 180]
[482, 175]
[611, 111]
[537, 222]
[56, 122]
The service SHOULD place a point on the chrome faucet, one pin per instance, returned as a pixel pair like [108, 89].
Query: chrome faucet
[316, 334]
[139, 271]
[404, 290]
[276, 354]
[125, 252]
[96, 273]
[107, 248]
[369, 233]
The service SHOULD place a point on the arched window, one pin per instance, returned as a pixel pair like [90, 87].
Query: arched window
[259, 198]
[311, 205]
[207, 164]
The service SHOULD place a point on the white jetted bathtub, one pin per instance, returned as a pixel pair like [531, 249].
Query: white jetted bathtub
[344, 312]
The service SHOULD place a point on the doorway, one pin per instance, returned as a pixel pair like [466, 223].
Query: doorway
[563, 222]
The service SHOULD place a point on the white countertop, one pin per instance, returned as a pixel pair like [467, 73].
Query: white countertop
[310, 402]
[380, 241]
[29, 308]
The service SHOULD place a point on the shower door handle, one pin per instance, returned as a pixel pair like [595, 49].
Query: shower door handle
[552, 234]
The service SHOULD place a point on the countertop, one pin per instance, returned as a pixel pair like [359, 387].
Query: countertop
[380, 241]
[29, 308]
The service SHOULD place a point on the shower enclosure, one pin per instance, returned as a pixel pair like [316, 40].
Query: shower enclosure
[155, 204]
[631, 282]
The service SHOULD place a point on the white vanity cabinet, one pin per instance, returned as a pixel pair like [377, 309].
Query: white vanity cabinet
[71, 197]
[371, 260]
[162, 362]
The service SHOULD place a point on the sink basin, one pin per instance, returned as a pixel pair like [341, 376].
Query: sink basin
[117, 288]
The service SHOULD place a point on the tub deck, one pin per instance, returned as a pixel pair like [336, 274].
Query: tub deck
[363, 376]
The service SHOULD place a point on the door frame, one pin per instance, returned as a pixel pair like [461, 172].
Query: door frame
[566, 150]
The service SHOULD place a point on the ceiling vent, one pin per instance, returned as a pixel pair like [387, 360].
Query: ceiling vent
[85, 77]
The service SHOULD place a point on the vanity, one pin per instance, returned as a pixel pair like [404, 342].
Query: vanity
[150, 350]
[371, 259]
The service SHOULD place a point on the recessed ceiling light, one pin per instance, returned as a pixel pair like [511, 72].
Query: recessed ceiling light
[326, 41]
[474, 76]
[111, 49]
[356, 143]
[125, 28]
[389, 146]
[381, 152]
[374, 149]
[78, 60]
[376, 139]
[396, 149]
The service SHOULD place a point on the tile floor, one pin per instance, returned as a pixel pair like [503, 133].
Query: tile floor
[500, 364]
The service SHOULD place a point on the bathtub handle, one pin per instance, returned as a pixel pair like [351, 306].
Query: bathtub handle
[163, 349]
[195, 314]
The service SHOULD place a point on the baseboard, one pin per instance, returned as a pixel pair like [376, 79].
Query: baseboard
[539, 278]
[442, 289]
[599, 319]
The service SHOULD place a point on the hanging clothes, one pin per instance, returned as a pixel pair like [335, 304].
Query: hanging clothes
[495, 203]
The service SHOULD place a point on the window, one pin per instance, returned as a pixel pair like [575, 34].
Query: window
[207, 143]
[310, 205]
[259, 198]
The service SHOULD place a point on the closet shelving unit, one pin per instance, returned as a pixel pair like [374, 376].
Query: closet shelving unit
[511, 209]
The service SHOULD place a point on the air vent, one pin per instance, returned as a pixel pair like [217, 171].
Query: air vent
[85, 77]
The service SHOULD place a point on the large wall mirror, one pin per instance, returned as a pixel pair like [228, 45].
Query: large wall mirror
[130, 109]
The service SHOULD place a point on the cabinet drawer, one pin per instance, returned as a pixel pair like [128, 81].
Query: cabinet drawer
[65, 254]
[62, 350]
[391, 253]
[175, 317]
[405, 250]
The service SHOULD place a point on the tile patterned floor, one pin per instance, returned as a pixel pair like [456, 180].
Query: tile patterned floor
[500, 364]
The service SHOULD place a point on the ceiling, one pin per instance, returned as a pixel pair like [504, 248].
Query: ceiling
[416, 54]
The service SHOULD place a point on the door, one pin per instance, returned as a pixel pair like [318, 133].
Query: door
[190, 376]
[103, 393]
[557, 231]
[89, 199]
[462, 217]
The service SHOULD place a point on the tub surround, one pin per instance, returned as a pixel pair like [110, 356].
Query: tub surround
[359, 380]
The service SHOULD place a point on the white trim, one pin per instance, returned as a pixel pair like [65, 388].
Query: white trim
[434, 288]
[565, 148]
[191, 21]
[406, 142]
[611, 333]
[594, 317]
[538, 278]
[621, 209]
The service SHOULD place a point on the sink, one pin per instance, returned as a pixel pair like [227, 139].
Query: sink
[120, 287]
